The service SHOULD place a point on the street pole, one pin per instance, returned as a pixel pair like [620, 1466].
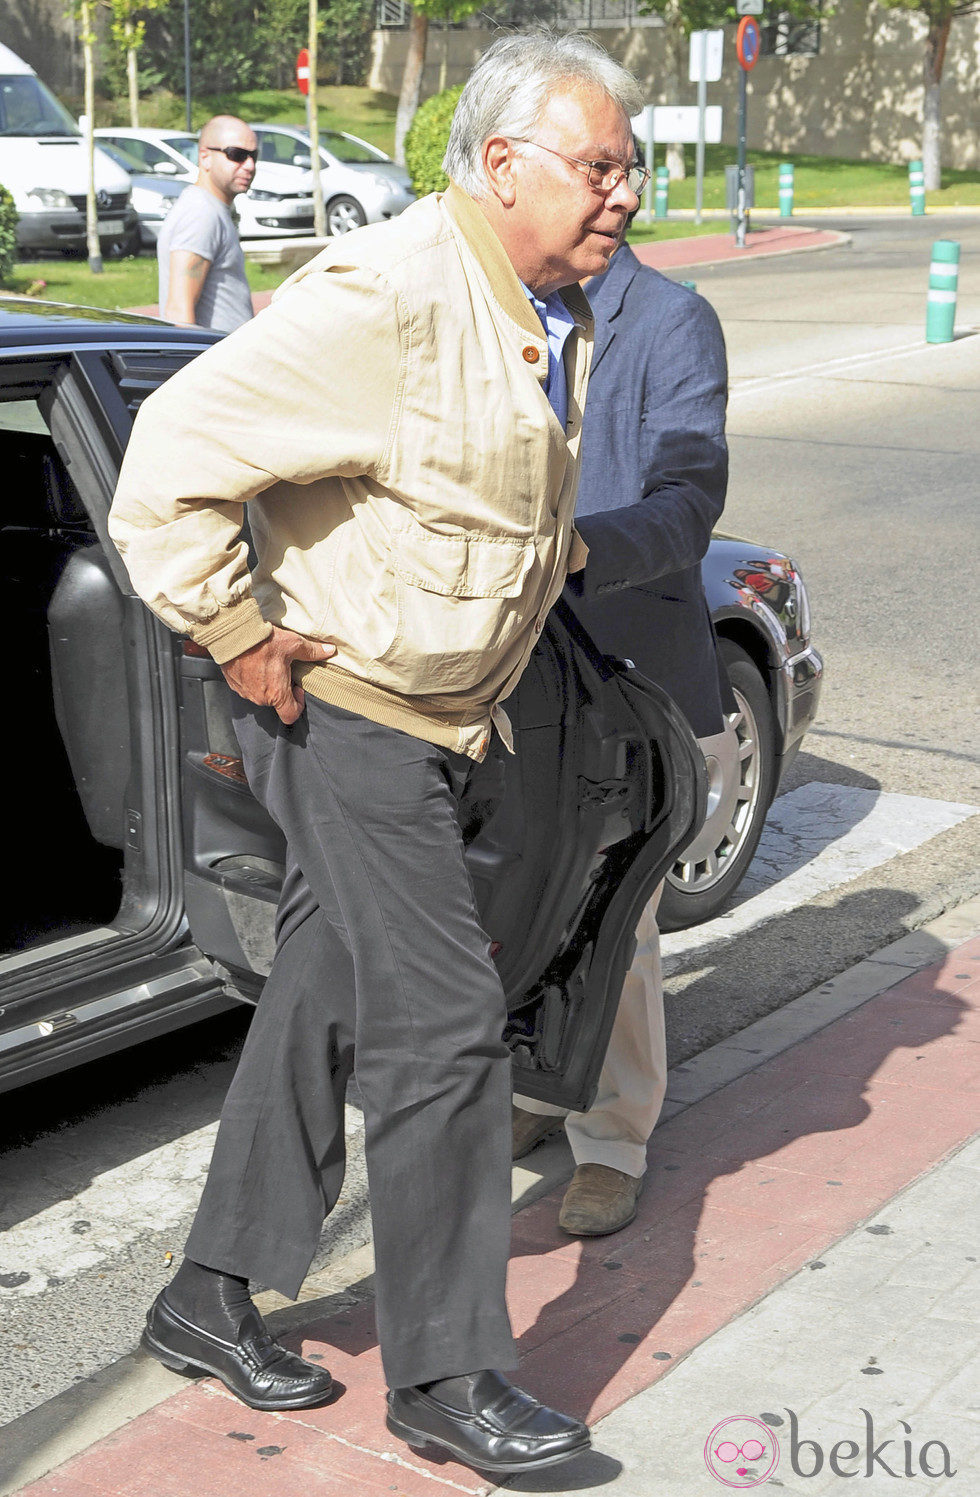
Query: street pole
[740, 218]
[702, 106]
[187, 67]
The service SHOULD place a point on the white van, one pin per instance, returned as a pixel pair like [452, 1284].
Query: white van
[43, 164]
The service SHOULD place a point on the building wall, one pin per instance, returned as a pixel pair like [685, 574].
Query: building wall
[860, 97]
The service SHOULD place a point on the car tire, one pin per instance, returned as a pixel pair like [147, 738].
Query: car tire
[697, 889]
[343, 214]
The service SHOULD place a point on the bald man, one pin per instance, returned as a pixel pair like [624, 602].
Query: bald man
[199, 254]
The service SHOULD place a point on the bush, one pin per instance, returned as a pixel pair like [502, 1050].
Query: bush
[8, 235]
[425, 143]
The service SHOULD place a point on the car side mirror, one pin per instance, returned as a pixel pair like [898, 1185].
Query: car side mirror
[165, 169]
[303, 160]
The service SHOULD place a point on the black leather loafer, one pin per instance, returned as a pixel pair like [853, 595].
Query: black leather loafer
[255, 1368]
[502, 1430]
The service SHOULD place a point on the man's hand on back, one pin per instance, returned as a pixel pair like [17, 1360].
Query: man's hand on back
[263, 674]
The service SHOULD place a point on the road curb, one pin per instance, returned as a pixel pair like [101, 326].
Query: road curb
[73, 1421]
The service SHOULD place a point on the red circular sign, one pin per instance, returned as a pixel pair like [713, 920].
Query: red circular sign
[303, 71]
[748, 42]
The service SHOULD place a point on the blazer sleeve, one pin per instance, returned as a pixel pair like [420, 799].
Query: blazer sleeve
[682, 456]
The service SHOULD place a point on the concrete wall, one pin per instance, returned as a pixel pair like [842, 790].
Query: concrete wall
[861, 97]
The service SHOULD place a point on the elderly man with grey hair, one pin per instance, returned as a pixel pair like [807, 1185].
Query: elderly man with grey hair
[404, 424]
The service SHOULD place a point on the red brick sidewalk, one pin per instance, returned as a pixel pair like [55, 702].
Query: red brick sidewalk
[709, 249]
[744, 1188]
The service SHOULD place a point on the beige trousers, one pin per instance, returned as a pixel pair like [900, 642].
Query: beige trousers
[633, 1079]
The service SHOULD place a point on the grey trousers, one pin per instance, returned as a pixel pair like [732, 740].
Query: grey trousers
[380, 966]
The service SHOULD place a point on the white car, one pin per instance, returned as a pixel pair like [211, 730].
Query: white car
[360, 183]
[278, 204]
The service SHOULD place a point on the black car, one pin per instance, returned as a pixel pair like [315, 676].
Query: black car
[142, 874]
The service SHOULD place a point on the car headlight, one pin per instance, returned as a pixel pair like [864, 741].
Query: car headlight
[802, 611]
[774, 586]
[49, 197]
[261, 197]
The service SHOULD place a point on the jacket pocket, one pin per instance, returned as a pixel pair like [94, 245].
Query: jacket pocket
[459, 606]
[461, 566]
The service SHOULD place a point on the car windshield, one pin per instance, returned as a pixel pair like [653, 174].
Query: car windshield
[28, 108]
[121, 158]
[346, 148]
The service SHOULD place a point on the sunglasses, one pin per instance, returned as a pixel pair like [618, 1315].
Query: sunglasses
[238, 154]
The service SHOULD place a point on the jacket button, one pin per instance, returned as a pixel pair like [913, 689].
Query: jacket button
[538, 626]
[531, 354]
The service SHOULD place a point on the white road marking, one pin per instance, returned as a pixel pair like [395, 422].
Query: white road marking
[817, 838]
[150, 1193]
[759, 382]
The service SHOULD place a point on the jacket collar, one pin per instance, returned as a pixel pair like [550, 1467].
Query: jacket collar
[474, 228]
[606, 295]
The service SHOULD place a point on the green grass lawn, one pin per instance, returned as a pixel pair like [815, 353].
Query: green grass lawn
[821, 182]
[123, 283]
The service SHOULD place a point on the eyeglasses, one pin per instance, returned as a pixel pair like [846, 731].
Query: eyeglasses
[238, 154]
[604, 176]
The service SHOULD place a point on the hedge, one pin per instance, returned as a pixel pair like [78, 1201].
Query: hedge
[425, 143]
[8, 235]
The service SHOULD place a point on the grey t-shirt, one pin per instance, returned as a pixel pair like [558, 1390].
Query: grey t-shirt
[201, 223]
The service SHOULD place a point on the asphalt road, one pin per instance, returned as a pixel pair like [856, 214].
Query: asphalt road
[855, 448]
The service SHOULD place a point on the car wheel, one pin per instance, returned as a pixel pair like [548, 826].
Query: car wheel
[742, 781]
[344, 214]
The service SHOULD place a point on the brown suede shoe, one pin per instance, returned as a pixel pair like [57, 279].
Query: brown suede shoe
[599, 1200]
[528, 1129]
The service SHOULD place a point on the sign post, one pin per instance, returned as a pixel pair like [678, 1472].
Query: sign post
[704, 67]
[748, 40]
[642, 124]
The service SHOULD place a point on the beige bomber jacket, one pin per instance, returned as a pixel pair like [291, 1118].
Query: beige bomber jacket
[410, 491]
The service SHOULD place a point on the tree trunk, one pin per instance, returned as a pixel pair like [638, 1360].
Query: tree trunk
[408, 99]
[675, 81]
[132, 79]
[313, 123]
[444, 59]
[91, 211]
[932, 118]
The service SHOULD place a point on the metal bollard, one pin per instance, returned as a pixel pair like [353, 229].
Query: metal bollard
[941, 296]
[917, 187]
[786, 189]
[660, 196]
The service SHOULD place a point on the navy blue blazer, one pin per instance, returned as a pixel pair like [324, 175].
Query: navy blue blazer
[654, 475]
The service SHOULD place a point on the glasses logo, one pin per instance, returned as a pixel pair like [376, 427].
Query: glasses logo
[741, 1452]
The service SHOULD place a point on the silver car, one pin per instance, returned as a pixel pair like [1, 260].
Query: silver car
[360, 183]
[153, 197]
